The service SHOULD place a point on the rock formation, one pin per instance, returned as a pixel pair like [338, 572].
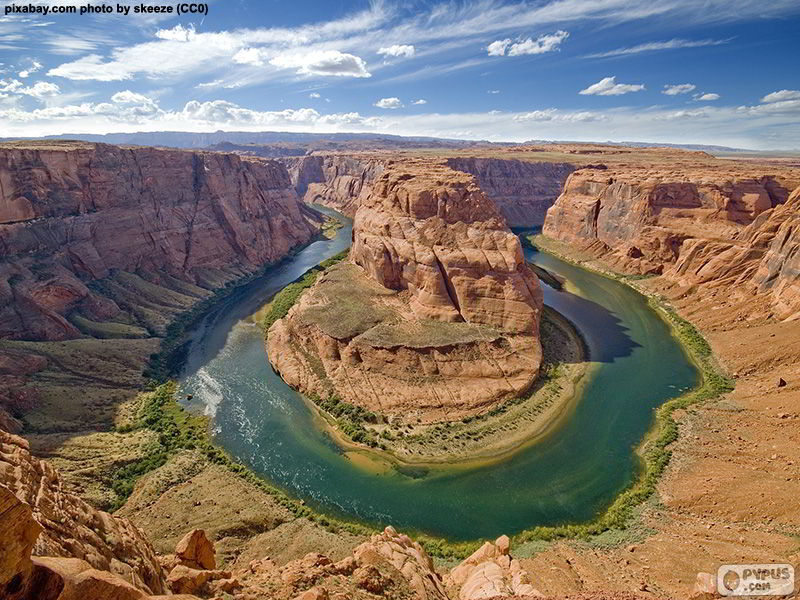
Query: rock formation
[70, 527]
[437, 315]
[73, 215]
[730, 227]
[521, 190]
[490, 572]
[333, 180]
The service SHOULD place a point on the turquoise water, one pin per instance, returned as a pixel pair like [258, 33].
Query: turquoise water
[569, 476]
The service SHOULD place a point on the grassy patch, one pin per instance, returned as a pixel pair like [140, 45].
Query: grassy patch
[286, 298]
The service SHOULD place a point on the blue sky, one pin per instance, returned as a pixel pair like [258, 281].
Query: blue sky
[680, 71]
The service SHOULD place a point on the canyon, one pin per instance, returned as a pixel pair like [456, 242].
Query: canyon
[103, 246]
[436, 315]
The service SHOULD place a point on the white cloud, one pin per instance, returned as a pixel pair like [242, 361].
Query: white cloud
[706, 97]
[492, 91]
[323, 62]
[680, 88]
[654, 46]
[40, 90]
[390, 103]
[781, 96]
[179, 33]
[498, 47]
[92, 67]
[28, 72]
[315, 95]
[249, 56]
[420, 101]
[398, 50]
[542, 44]
[553, 114]
[608, 86]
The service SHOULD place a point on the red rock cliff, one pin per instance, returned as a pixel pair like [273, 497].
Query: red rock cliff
[74, 213]
[436, 317]
[522, 191]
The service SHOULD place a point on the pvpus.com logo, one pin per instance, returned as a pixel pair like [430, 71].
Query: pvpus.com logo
[755, 580]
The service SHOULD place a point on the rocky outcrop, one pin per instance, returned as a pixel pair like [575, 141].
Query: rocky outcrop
[337, 181]
[70, 527]
[437, 316]
[490, 572]
[521, 190]
[762, 260]
[74, 214]
[638, 219]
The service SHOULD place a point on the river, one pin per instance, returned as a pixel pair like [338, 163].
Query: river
[569, 476]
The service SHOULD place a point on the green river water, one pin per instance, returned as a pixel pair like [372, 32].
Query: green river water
[568, 476]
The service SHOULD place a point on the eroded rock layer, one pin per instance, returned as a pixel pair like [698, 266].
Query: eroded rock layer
[437, 314]
[72, 214]
[70, 527]
[337, 181]
[522, 191]
[728, 227]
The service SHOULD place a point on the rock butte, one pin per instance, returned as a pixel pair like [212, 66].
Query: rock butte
[436, 315]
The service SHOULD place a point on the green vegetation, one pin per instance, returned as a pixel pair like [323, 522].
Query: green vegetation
[350, 419]
[286, 298]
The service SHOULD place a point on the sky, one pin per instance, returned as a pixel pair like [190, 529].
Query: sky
[719, 72]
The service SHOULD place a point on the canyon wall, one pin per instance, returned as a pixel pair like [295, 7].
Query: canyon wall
[522, 191]
[730, 226]
[74, 214]
[337, 181]
[436, 316]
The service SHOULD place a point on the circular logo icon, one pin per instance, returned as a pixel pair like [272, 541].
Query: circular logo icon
[731, 581]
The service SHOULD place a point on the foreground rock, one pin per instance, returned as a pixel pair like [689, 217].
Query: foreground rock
[490, 572]
[437, 316]
[70, 527]
[72, 213]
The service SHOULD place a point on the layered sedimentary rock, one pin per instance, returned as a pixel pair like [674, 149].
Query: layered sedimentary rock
[435, 317]
[521, 190]
[72, 214]
[728, 226]
[641, 217]
[70, 527]
[337, 181]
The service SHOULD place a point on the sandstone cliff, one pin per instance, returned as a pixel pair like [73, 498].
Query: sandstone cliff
[71, 528]
[436, 317]
[73, 214]
[522, 191]
[337, 181]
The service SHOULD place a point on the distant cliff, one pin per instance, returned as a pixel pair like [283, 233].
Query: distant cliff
[86, 228]
[521, 190]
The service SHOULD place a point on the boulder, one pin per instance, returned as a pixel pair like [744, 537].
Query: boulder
[195, 550]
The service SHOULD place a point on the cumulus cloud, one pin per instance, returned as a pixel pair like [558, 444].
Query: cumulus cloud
[322, 62]
[608, 86]
[398, 50]
[249, 56]
[223, 112]
[498, 47]
[492, 91]
[680, 88]
[542, 44]
[653, 46]
[40, 90]
[29, 71]
[389, 103]
[706, 97]
[782, 95]
[420, 101]
[315, 95]
[179, 33]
